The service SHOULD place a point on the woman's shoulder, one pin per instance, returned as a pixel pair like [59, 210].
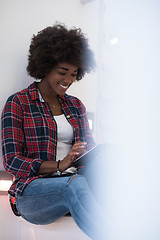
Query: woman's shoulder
[17, 96]
[20, 96]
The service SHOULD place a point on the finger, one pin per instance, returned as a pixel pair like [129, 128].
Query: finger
[71, 153]
[80, 144]
[73, 157]
[78, 149]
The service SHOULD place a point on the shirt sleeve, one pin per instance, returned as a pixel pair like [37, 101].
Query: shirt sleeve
[13, 142]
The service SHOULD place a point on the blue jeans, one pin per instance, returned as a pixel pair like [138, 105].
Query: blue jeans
[45, 200]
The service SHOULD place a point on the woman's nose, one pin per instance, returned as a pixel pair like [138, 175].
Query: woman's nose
[68, 80]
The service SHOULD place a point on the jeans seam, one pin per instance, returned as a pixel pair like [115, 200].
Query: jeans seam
[71, 178]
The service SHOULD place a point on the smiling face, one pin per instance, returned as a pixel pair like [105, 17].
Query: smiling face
[58, 80]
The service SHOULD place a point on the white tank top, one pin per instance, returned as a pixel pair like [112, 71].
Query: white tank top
[64, 139]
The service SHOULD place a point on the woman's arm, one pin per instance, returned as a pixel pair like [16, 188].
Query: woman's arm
[13, 141]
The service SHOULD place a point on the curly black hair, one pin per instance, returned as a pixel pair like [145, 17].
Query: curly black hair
[56, 44]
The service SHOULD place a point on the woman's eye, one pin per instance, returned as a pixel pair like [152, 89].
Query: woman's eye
[61, 73]
[74, 75]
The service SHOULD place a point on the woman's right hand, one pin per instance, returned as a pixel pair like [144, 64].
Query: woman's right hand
[48, 167]
[77, 150]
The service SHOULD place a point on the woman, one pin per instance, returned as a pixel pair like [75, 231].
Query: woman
[44, 130]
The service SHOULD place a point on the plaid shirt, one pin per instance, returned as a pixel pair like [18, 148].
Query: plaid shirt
[29, 133]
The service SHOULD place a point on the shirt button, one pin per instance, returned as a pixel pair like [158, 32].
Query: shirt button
[68, 116]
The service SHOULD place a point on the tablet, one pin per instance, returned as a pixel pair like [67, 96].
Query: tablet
[86, 157]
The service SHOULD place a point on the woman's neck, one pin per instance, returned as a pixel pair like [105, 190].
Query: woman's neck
[47, 94]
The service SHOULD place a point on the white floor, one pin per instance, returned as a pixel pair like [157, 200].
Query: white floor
[63, 229]
[15, 228]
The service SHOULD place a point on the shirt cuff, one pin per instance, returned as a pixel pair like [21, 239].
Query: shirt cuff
[36, 165]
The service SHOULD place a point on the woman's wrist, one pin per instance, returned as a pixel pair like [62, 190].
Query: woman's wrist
[47, 167]
[64, 164]
[61, 166]
[59, 172]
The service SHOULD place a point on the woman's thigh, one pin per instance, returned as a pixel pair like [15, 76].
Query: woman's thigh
[44, 200]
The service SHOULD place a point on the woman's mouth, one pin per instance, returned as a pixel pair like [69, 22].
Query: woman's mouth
[63, 86]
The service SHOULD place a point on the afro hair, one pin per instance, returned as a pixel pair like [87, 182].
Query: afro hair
[56, 44]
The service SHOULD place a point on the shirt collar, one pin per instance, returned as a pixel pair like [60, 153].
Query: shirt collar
[40, 97]
[33, 91]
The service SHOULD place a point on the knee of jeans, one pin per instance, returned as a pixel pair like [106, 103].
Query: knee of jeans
[77, 182]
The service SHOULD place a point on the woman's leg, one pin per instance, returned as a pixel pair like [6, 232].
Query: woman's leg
[43, 200]
[46, 199]
[84, 208]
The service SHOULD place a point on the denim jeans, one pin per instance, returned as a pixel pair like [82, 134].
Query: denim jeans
[45, 200]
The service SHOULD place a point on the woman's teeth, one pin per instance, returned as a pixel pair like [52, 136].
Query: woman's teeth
[65, 87]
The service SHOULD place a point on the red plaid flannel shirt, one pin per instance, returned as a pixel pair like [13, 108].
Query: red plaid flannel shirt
[29, 133]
